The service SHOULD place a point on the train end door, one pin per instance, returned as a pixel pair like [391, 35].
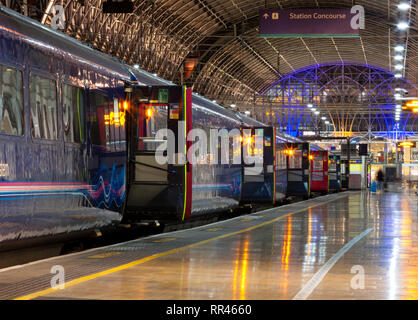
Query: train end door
[258, 178]
[159, 176]
[298, 170]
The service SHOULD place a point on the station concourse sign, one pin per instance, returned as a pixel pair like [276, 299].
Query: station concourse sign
[313, 23]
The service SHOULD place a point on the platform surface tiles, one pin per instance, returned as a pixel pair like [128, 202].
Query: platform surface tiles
[350, 245]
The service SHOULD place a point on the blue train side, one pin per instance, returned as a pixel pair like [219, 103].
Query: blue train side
[63, 144]
[62, 174]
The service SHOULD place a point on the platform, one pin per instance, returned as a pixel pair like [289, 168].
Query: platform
[315, 249]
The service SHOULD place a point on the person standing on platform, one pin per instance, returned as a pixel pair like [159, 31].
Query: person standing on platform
[380, 179]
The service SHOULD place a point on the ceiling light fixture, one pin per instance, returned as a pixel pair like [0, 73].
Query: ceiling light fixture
[399, 48]
[403, 6]
[402, 25]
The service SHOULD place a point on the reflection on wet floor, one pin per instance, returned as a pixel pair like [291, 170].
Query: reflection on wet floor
[278, 259]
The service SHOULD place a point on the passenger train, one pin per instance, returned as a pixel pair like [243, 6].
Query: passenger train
[78, 143]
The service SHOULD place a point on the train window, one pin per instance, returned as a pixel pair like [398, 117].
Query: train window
[99, 129]
[11, 101]
[43, 107]
[73, 113]
[151, 119]
[295, 159]
[318, 162]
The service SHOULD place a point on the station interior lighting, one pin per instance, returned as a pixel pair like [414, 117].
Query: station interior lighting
[402, 25]
[398, 57]
[289, 152]
[313, 109]
[398, 75]
[403, 6]
[406, 144]
[247, 112]
[399, 67]
[233, 105]
[316, 112]
[310, 105]
[326, 122]
[136, 66]
[399, 48]
[323, 118]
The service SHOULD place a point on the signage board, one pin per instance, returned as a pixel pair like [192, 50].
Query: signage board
[308, 23]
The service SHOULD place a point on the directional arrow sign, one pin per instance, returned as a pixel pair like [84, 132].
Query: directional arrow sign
[266, 16]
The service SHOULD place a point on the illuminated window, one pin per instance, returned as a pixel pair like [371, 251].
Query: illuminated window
[73, 114]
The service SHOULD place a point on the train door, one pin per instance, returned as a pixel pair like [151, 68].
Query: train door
[298, 169]
[319, 171]
[258, 179]
[344, 174]
[334, 173]
[159, 175]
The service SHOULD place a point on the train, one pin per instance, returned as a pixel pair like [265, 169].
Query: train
[79, 135]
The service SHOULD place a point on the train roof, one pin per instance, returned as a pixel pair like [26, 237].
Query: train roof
[39, 35]
[286, 137]
[45, 37]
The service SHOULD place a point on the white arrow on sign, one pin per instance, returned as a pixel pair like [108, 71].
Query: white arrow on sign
[266, 16]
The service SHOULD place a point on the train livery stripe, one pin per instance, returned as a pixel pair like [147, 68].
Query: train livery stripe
[189, 171]
[187, 108]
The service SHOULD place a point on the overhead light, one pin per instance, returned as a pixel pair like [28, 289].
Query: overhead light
[398, 57]
[310, 105]
[399, 67]
[316, 112]
[136, 66]
[313, 109]
[398, 75]
[214, 101]
[402, 25]
[397, 96]
[324, 118]
[326, 122]
[247, 112]
[403, 6]
[233, 105]
[399, 48]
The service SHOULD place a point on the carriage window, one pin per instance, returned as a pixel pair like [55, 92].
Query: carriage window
[73, 113]
[11, 101]
[99, 130]
[43, 107]
[295, 159]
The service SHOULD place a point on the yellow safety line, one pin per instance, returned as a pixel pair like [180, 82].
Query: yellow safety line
[158, 255]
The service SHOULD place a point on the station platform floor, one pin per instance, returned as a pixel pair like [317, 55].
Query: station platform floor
[350, 245]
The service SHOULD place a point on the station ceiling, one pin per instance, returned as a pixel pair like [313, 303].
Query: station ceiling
[233, 62]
